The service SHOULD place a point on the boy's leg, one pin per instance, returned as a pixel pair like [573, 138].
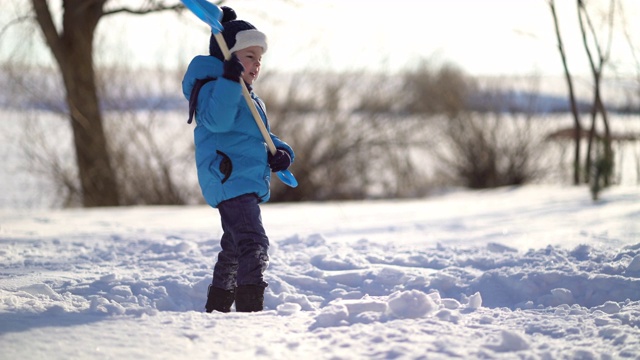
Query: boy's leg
[244, 223]
[225, 271]
[221, 294]
[242, 215]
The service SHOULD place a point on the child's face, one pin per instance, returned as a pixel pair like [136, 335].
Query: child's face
[251, 59]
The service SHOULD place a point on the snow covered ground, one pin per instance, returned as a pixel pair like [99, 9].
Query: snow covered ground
[537, 272]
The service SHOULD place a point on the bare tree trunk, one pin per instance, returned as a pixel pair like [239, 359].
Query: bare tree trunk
[596, 71]
[572, 100]
[73, 51]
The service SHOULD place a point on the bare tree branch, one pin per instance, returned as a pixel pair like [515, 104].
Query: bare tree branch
[598, 105]
[627, 35]
[152, 6]
[577, 130]
[630, 43]
[13, 22]
[43, 16]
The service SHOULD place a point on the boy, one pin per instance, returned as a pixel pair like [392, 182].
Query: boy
[233, 162]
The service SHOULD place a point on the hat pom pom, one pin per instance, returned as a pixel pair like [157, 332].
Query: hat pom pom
[228, 14]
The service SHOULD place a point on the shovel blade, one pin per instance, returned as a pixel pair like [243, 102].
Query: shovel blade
[287, 178]
[207, 12]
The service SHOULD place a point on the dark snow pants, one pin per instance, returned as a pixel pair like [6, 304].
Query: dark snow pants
[243, 258]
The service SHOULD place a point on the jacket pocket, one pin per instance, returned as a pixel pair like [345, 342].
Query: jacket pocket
[225, 167]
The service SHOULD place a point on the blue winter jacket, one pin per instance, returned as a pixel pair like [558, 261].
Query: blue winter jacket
[231, 154]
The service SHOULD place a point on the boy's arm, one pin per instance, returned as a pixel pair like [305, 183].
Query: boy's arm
[218, 104]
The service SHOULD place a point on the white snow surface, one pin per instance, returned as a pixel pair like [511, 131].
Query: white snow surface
[535, 272]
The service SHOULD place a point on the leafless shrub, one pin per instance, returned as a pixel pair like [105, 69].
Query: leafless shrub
[46, 158]
[342, 153]
[354, 138]
[34, 94]
[437, 90]
[484, 150]
[145, 166]
[154, 165]
[368, 141]
[494, 145]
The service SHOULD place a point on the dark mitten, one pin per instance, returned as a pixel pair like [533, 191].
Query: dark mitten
[280, 161]
[233, 69]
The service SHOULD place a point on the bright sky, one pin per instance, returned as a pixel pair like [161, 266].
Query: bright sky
[496, 37]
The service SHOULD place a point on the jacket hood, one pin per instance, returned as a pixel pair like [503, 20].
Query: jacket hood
[201, 67]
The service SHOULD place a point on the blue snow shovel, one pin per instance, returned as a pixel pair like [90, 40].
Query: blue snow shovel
[212, 14]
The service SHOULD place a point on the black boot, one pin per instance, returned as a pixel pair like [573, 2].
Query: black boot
[219, 300]
[249, 298]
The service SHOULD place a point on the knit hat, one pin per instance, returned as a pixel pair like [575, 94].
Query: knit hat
[238, 34]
